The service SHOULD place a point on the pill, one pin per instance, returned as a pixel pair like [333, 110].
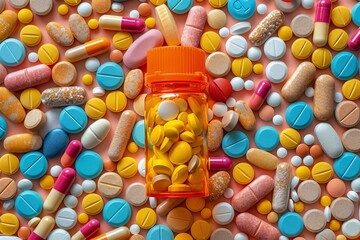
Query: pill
[215, 134]
[262, 159]
[338, 39]
[89, 49]
[309, 191]
[342, 208]
[43, 229]
[324, 97]
[56, 97]
[350, 228]
[243, 173]
[95, 133]
[55, 142]
[179, 219]
[302, 25]
[218, 183]
[79, 27]
[314, 220]
[281, 188]
[9, 22]
[87, 230]
[328, 140]
[354, 41]
[210, 41]
[133, 83]
[351, 89]
[321, 58]
[349, 140]
[121, 233]
[344, 65]
[66, 218]
[218, 64]
[259, 95]
[347, 114]
[64, 74]
[60, 34]
[246, 116]
[336, 187]
[167, 25]
[194, 27]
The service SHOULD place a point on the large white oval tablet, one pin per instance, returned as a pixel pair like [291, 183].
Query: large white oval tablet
[329, 140]
[95, 133]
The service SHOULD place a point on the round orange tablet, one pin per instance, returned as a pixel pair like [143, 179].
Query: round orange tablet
[266, 113]
[24, 232]
[109, 165]
[302, 150]
[116, 56]
[336, 187]
[316, 151]
[144, 9]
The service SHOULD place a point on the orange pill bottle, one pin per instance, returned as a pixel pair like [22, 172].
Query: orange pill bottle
[176, 118]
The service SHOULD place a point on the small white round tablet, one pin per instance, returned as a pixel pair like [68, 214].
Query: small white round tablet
[98, 91]
[141, 167]
[59, 234]
[76, 190]
[240, 28]
[92, 64]
[294, 195]
[70, 201]
[66, 218]
[282, 152]
[309, 92]
[134, 14]
[89, 186]
[249, 85]
[274, 48]
[261, 9]
[117, 7]
[229, 193]
[33, 57]
[338, 97]
[351, 228]
[55, 170]
[24, 184]
[309, 139]
[223, 213]
[254, 54]
[294, 182]
[134, 229]
[168, 110]
[296, 161]
[353, 196]
[210, 115]
[230, 102]
[274, 99]
[84, 9]
[308, 160]
[277, 120]
[236, 46]
[237, 84]
[241, 236]
[307, 4]
[224, 32]
[276, 71]
[8, 204]
[219, 109]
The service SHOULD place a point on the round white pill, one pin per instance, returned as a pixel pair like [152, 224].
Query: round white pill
[261, 9]
[24, 184]
[291, 205]
[55, 170]
[309, 92]
[282, 237]
[70, 201]
[237, 84]
[134, 229]
[351, 228]
[33, 57]
[89, 186]
[117, 7]
[219, 109]
[294, 195]
[134, 14]
[277, 120]
[66, 218]
[59, 234]
[84, 9]
[274, 99]
[236, 46]
[168, 110]
[353, 196]
[210, 115]
[282, 152]
[8, 204]
[294, 182]
[241, 236]
[229, 193]
[254, 54]
[76, 190]
[152, 202]
[230, 102]
[307, 4]
[92, 64]
[338, 97]
[249, 85]
[296, 161]
[223, 213]
[355, 185]
[98, 91]
[309, 139]
[141, 167]
[224, 32]
[308, 160]
[276, 71]
[274, 48]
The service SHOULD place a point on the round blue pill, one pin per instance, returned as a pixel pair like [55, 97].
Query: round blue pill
[73, 119]
[117, 212]
[55, 143]
[12, 52]
[160, 232]
[3, 127]
[355, 14]
[347, 166]
[267, 138]
[299, 115]
[241, 9]
[180, 6]
[344, 65]
[28, 204]
[89, 165]
[110, 76]
[291, 224]
[138, 133]
[235, 144]
[33, 165]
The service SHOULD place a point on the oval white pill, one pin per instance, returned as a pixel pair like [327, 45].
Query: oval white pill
[134, 229]
[308, 160]
[309, 139]
[294, 195]
[240, 28]
[66, 218]
[294, 182]
[55, 170]
[307, 4]
[241, 236]
[355, 185]
[230, 102]
[8, 204]
[327, 213]
[98, 91]
[274, 48]
[24, 184]
[92, 64]
[338, 97]
[353, 196]
[224, 32]
[281, 152]
[351, 228]
[249, 85]
[152, 202]
[261, 9]
[33, 57]
[223, 213]
[117, 7]
[291, 205]
[141, 167]
[59, 234]
[229, 193]
[134, 14]
[70, 201]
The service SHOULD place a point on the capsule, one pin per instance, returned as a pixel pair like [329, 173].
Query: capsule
[281, 188]
[89, 49]
[354, 41]
[120, 233]
[126, 24]
[61, 188]
[219, 163]
[63, 96]
[322, 22]
[258, 97]
[43, 229]
[246, 115]
[72, 151]
[87, 230]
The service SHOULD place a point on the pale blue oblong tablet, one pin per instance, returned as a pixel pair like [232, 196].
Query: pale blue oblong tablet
[28, 204]
[160, 232]
[89, 165]
[241, 9]
[180, 6]
[73, 119]
[110, 76]
[267, 138]
[235, 144]
[291, 224]
[33, 165]
[117, 212]
[138, 134]
[12, 52]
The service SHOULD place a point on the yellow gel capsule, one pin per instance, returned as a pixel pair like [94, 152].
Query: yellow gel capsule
[122, 40]
[210, 41]
[206, 213]
[87, 79]
[301, 48]
[150, 22]
[241, 67]
[63, 9]
[48, 54]
[132, 147]
[325, 201]
[338, 39]
[299, 207]
[83, 218]
[93, 24]
[25, 16]
[351, 89]
[258, 68]
[243, 173]
[321, 58]
[334, 225]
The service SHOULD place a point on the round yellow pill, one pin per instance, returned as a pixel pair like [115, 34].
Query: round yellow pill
[132, 147]
[322, 172]
[341, 237]
[122, 40]
[285, 33]
[48, 54]
[299, 207]
[161, 166]
[325, 201]
[187, 136]
[127, 167]
[334, 225]
[241, 67]
[180, 174]
[263, 207]
[338, 39]
[195, 124]
[157, 135]
[9, 164]
[157, 2]
[303, 172]
[301, 48]
[95, 108]
[72, 2]
[30, 98]
[258, 68]
[243, 173]
[195, 204]
[63, 9]
[180, 153]
[25, 16]
[341, 16]
[30, 35]
[171, 132]
[92, 204]
[87, 79]
[116, 101]
[179, 125]
[321, 58]
[179, 188]
[290, 138]
[93, 23]
[272, 217]
[146, 218]
[9, 224]
[218, 3]
[47, 182]
[210, 41]
[206, 213]
[83, 218]
[150, 22]
[351, 89]
[183, 236]
[201, 229]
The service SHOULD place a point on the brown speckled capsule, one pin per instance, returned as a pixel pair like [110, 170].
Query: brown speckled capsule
[281, 188]
[63, 96]
[324, 97]
[266, 27]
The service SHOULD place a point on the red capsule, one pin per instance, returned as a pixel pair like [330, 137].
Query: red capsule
[72, 151]
[259, 95]
[354, 41]
[219, 163]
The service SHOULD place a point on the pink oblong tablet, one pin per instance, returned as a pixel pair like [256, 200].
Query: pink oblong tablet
[252, 193]
[135, 56]
[28, 77]
[194, 27]
[256, 227]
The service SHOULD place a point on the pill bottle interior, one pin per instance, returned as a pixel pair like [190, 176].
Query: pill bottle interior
[176, 123]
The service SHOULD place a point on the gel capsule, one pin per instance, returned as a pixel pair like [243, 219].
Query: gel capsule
[43, 229]
[72, 151]
[126, 24]
[87, 230]
[89, 49]
[120, 233]
[219, 163]
[322, 22]
[354, 41]
[61, 188]
[258, 97]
